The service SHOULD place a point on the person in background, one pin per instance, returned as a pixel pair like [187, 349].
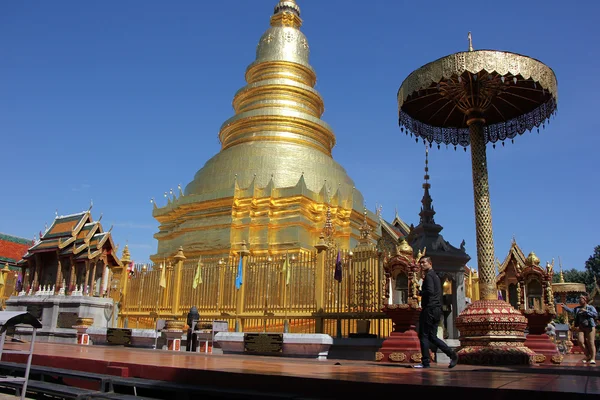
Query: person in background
[585, 320]
[431, 315]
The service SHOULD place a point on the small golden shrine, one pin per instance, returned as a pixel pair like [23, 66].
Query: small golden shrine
[508, 271]
[75, 254]
[402, 284]
[536, 300]
[534, 289]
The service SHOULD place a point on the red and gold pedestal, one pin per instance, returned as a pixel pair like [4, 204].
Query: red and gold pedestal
[402, 346]
[173, 332]
[82, 325]
[492, 333]
[538, 341]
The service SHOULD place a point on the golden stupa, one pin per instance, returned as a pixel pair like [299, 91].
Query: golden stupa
[274, 178]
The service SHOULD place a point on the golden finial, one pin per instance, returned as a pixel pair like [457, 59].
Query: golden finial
[470, 42]
[532, 259]
[365, 229]
[404, 249]
[421, 255]
[328, 229]
[562, 278]
[286, 13]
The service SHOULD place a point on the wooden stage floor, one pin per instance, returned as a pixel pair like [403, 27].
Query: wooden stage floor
[325, 379]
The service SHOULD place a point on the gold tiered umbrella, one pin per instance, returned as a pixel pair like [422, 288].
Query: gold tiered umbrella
[473, 98]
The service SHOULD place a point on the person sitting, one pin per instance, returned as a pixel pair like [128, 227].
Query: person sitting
[585, 320]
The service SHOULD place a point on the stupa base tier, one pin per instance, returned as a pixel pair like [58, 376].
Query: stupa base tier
[492, 334]
[545, 350]
[400, 347]
[496, 354]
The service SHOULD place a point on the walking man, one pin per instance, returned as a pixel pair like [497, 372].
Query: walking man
[431, 315]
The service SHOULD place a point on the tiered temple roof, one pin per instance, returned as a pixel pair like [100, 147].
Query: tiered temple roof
[76, 234]
[515, 257]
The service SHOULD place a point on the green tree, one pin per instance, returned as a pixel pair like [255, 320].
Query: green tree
[592, 265]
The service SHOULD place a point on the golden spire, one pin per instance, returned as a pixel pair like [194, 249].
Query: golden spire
[328, 229]
[277, 125]
[365, 230]
[280, 97]
[561, 278]
[126, 256]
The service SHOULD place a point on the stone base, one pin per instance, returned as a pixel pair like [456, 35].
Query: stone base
[302, 345]
[48, 309]
[545, 350]
[492, 333]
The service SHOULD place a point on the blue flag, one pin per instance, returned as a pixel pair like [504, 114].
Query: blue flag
[338, 268]
[238, 278]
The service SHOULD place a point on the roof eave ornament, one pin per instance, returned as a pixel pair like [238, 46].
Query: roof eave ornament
[470, 41]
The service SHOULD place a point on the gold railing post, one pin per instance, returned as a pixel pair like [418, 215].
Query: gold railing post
[321, 247]
[241, 292]
[179, 257]
[122, 274]
[4, 273]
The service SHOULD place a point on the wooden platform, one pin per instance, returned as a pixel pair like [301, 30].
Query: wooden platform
[324, 379]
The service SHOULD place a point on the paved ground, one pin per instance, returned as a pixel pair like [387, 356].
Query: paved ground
[569, 379]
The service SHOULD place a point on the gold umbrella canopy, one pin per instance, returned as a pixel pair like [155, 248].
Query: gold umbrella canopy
[512, 93]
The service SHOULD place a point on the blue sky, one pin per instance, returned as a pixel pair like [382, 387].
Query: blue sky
[121, 101]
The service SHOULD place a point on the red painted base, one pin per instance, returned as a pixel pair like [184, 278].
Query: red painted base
[545, 349]
[402, 346]
[83, 339]
[576, 349]
[174, 344]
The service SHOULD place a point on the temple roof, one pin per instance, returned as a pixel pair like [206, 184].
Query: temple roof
[76, 234]
[12, 248]
[396, 229]
[67, 225]
[515, 253]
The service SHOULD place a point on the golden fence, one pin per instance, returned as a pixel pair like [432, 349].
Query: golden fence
[10, 283]
[299, 295]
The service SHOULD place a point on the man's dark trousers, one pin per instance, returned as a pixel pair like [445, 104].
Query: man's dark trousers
[429, 321]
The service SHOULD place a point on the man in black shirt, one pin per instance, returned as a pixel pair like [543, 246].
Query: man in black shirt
[431, 315]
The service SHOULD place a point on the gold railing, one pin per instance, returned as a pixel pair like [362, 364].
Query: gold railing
[273, 296]
[9, 287]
